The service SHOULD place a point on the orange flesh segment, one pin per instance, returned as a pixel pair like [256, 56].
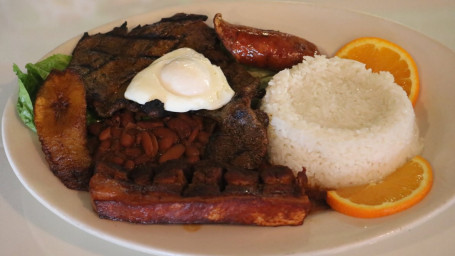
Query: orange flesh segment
[400, 190]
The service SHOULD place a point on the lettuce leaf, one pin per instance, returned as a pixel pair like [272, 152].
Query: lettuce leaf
[30, 82]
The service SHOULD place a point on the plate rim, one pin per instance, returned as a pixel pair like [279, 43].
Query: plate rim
[66, 218]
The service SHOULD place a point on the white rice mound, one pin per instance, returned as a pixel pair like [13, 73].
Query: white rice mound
[345, 124]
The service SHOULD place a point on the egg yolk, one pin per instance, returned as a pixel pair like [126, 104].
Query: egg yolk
[184, 76]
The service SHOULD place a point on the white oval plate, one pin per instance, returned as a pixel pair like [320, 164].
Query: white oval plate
[322, 232]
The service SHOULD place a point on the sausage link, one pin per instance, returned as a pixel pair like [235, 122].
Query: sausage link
[269, 49]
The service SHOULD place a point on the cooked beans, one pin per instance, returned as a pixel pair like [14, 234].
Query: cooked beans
[127, 142]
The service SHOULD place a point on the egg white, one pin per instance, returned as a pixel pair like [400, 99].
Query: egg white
[183, 80]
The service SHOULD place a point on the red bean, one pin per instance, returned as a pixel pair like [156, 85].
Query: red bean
[193, 135]
[147, 144]
[132, 152]
[141, 159]
[127, 139]
[180, 126]
[188, 119]
[174, 152]
[104, 145]
[162, 132]
[116, 132]
[95, 129]
[191, 150]
[165, 143]
[192, 159]
[117, 160]
[154, 143]
[129, 164]
[203, 137]
[126, 118]
[105, 134]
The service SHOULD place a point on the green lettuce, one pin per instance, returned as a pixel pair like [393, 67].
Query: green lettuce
[30, 82]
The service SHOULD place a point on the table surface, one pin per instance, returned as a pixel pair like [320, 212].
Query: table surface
[30, 29]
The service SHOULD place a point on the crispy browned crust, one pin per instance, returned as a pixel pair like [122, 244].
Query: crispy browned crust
[60, 120]
[271, 196]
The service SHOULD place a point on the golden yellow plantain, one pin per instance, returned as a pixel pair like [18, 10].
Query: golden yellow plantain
[60, 120]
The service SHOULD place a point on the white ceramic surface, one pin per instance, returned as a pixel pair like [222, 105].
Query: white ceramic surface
[322, 232]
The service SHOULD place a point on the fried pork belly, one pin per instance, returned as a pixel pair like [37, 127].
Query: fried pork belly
[202, 193]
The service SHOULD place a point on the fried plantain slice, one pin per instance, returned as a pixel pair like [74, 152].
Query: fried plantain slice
[60, 120]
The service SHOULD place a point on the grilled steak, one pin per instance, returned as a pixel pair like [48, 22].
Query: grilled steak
[108, 62]
[206, 192]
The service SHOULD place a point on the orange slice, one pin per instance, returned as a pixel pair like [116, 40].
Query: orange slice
[402, 189]
[382, 55]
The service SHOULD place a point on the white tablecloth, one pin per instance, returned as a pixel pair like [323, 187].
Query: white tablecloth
[30, 29]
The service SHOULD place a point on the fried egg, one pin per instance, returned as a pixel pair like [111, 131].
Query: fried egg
[182, 80]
